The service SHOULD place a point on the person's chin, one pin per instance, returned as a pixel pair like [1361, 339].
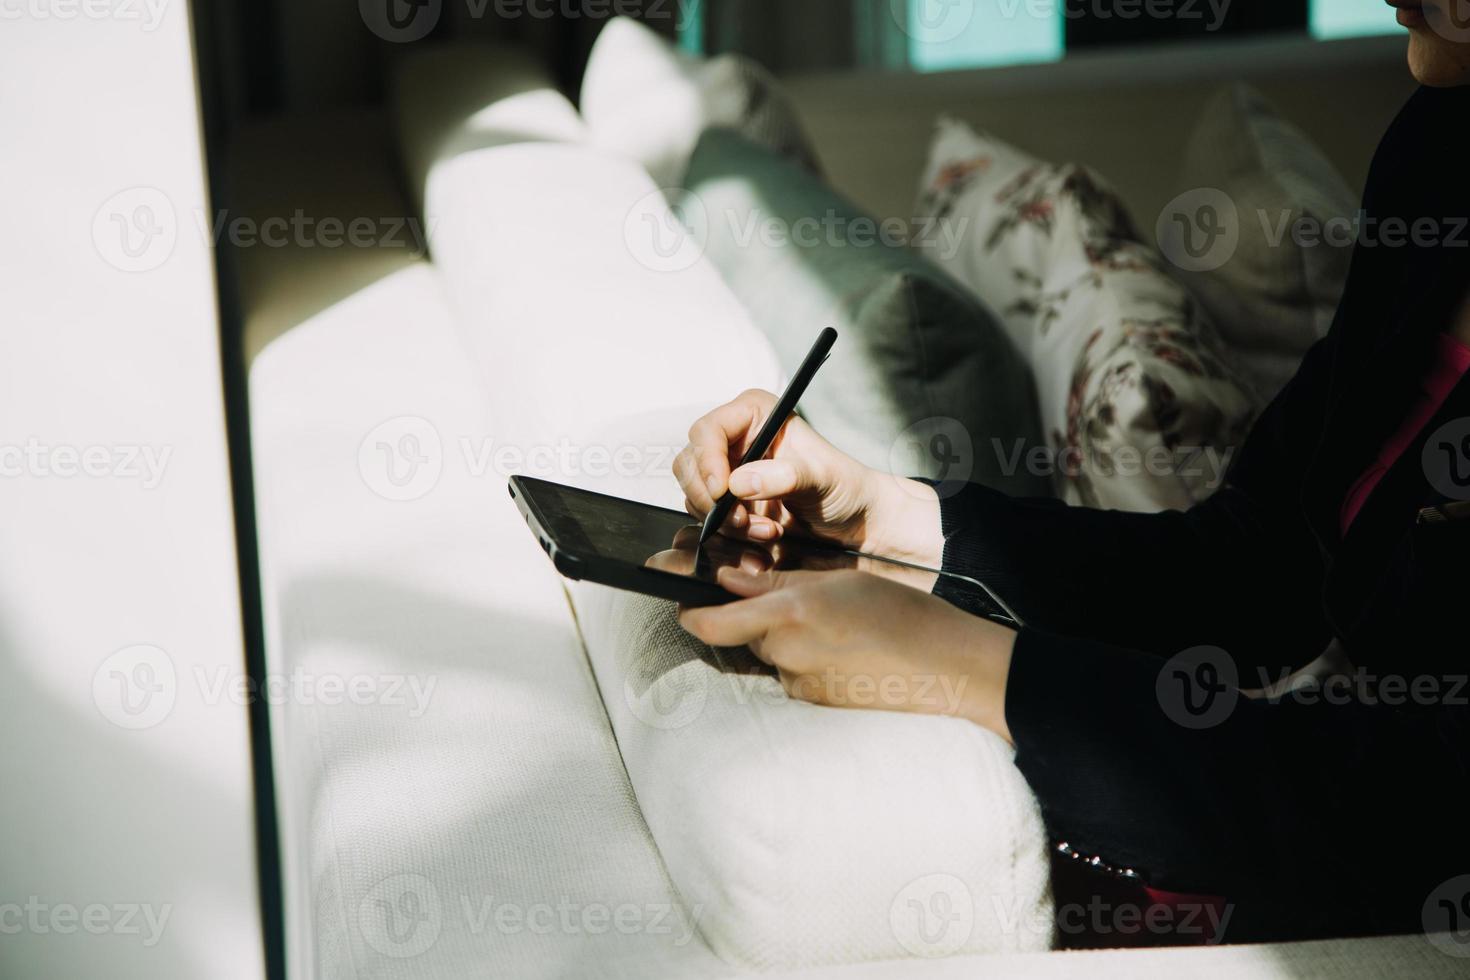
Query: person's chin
[1432, 65]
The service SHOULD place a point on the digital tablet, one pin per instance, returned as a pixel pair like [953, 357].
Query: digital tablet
[633, 546]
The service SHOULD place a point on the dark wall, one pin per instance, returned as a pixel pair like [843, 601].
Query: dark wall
[270, 56]
[1099, 23]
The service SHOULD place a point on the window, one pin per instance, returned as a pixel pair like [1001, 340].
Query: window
[945, 34]
[691, 27]
[951, 34]
[1351, 18]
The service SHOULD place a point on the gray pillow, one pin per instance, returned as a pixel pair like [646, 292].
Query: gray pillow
[923, 381]
[1272, 290]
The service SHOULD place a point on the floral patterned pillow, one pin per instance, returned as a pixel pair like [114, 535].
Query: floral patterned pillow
[1142, 410]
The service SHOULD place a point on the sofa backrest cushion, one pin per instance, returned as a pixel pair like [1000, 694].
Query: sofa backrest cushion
[451, 98]
[920, 365]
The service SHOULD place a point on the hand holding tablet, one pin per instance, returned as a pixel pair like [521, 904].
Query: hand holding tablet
[817, 511]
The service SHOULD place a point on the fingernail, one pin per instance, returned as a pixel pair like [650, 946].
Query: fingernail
[765, 529]
[745, 484]
[713, 482]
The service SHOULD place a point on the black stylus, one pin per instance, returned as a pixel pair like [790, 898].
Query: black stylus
[777, 419]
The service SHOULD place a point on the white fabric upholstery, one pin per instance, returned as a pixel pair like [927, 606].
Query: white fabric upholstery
[815, 835]
[796, 829]
[451, 98]
[411, 818]
[572, 311]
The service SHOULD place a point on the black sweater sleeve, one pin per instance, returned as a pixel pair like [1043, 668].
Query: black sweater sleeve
[1241, 571]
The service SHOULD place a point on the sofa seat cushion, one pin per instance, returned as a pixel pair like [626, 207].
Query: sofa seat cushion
[452, 801]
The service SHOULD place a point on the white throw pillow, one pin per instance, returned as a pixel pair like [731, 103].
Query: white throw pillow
[804, 835]
[813, 835]
[1141, 407]
[1273, 286]
[645, 99]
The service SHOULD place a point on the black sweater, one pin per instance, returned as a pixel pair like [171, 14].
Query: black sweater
[1311, 816]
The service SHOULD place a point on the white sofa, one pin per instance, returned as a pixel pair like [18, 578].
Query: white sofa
[483, 822]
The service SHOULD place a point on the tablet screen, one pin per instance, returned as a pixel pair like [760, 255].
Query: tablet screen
[626, 532]
[638, 534]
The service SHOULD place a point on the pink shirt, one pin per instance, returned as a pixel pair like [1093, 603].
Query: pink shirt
[1451, 365]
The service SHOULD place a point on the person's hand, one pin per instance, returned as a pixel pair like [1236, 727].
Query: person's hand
[850, 639]
[684, 554]
[804, 484]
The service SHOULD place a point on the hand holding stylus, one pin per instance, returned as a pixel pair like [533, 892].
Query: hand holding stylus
[804, 485]
[776, 419]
